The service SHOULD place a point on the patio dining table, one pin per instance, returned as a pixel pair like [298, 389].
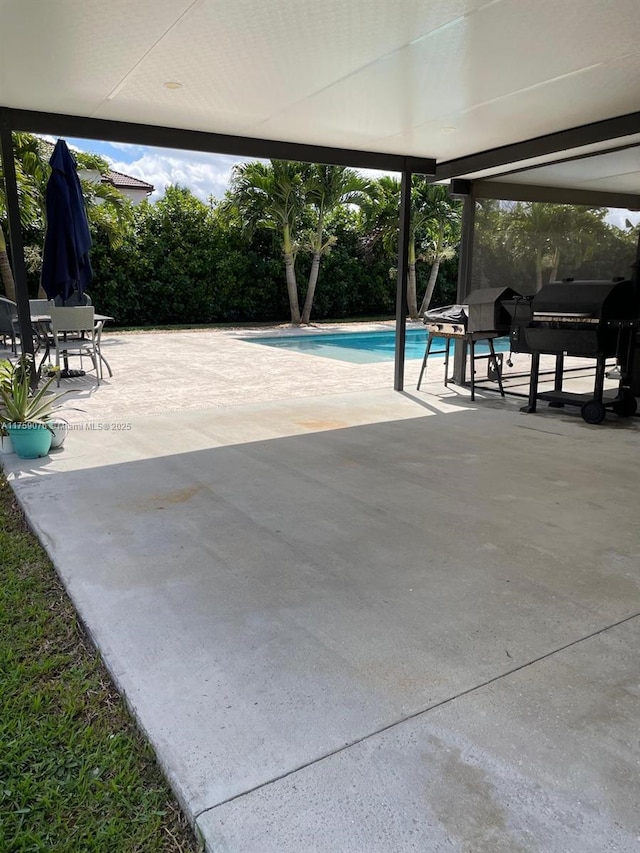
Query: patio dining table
[41, 324]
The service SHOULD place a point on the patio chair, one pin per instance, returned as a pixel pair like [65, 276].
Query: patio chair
[39, 306]
[42, 339]
[8, 321]
[74, 300]
[75, 332]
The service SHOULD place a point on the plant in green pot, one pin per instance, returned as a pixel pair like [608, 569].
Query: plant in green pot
[24, 411]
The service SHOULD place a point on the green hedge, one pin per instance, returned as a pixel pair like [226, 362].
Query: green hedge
[183, 263]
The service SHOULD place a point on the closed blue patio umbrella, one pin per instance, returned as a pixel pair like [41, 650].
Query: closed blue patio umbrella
[65, 264]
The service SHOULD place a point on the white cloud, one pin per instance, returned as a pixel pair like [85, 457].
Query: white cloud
[619, 217]
[125, 146]
[374, 174]
[53, 139]
[204, 174]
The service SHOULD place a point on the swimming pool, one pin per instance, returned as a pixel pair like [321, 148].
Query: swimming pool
[362, 347]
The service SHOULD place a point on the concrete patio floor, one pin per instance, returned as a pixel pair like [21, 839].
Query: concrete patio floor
[351, 619]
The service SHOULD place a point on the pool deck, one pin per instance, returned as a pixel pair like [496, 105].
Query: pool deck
[350, 619]
[175, 371]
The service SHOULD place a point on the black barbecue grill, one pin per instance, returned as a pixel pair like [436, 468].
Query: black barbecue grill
[486, 309]
[581, 317]
[483, 317]
[596, 319]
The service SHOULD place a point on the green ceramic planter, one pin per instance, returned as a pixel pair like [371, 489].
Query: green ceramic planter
[29, 441]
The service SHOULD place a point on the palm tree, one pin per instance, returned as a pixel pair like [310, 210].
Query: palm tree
[441, 218]
[550, 232]
[272, 196]
[382, 216]
[31, 178]
[434, 228]
[326, 188]
[108, 210]
[533, 229]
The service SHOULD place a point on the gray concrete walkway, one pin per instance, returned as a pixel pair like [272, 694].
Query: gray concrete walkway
[365, 621]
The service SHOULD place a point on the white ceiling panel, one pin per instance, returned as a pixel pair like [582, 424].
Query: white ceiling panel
[594, 94]
[69, 55]
[570, 154]
[615, 171]
[350, 105]
[495, 79]
[613, 89]
[266, 57]
[629, 183]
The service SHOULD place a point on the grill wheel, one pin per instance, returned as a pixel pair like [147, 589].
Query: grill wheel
[593, 412]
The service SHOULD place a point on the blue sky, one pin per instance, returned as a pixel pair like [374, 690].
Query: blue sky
[204, 174]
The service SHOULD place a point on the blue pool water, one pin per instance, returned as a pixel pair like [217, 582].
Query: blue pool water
[363, 347]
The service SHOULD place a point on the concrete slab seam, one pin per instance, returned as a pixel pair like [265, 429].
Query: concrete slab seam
[417, 714]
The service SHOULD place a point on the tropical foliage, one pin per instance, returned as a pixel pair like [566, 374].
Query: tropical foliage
[334, 236]
[327, 188]
[19, 402]
[434, 230]
[32, 173]
[109, 212]
[526, 244]
[272, 196]
[296, 201]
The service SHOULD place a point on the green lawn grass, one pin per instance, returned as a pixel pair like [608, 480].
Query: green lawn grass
[75, 774]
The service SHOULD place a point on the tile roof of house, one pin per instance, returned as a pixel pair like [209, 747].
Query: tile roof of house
[118, 179]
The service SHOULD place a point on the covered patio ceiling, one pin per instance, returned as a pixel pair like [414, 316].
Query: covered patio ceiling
[600, 174]
[446, 80]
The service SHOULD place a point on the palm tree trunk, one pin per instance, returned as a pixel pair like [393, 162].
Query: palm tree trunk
[556, 263]
[431, 285]
[538, 269]
[311, 288]
[412, 293]
[5, 270]
[290, 272]
[313, 274]
[292, 289]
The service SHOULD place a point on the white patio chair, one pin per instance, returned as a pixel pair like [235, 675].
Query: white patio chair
[80, 323]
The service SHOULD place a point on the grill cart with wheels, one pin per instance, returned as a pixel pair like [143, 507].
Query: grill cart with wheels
[593, 319]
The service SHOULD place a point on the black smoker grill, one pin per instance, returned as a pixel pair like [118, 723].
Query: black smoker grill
[596, 319]
[482, 317]
[487, 312]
